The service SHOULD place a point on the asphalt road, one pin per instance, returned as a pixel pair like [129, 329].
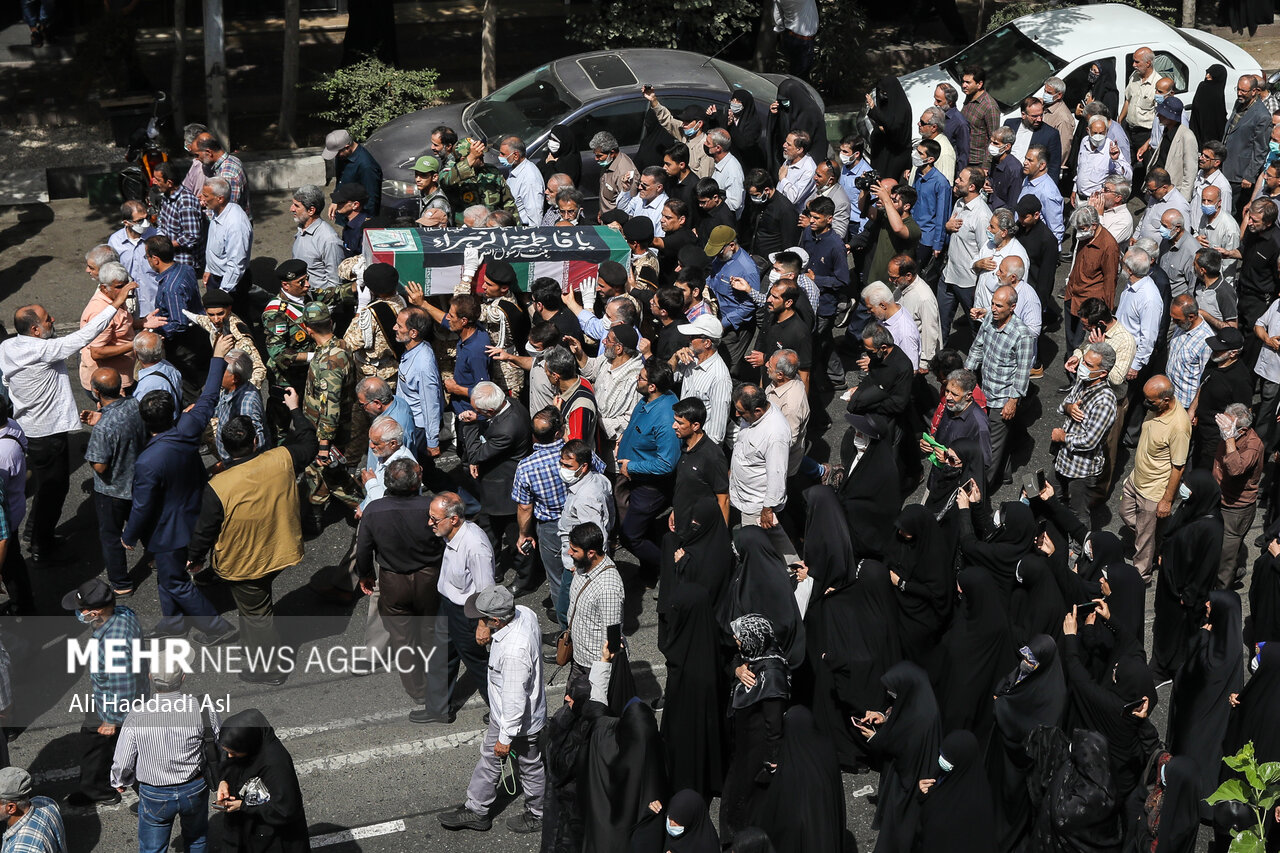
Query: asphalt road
[371, 780]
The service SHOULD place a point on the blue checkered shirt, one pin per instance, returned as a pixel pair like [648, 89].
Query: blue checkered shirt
[182, 222]
[1005, 358]
[537, 481]
[1188, 357]
[110, 688]
[246, 401]
[39, 830]
[1083, 454]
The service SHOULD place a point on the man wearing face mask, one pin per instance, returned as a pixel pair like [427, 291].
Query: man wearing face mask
[1164, 88]
[853, 162]
[933, 201]
[614, 167]
[1216, 296]
[689, 129]
[886, 390]
[1177, 253]
[130, 243]
[1091, 409]
[1159, 461]
[1247, 138]
[727, 173]
[1004, 352]
[588, 498]
[523, 179]
[930, 125]
[732, 268]
[1093, 274]
[1099, 157]
[1058, 115]
[1162, 196]
[1211, 157]
[769, 220]
[1031, 130]
[1237, 466]
[95, 605]
[1004, 180]
[758, 466]
[1217, 230]
[1227, 380]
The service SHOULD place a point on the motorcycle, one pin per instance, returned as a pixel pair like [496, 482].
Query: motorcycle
[147, 149]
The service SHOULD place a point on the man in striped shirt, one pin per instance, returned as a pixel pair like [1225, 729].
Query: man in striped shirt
[703, 373]
[161, 750]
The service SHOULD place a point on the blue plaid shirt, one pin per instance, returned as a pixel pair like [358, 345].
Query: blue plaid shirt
[110, 688]
[39, 830]
[1004, 356]
[537, 481]
[182, 222]
[246, 401]
[1188, 356]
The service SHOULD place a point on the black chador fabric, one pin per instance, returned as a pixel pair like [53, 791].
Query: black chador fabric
[852, 641]
[1263, 624]
[1032, 695]
[1000, 548]
[1188, 566]
[922, 554]
[891, 139]
[1209, 106]
[279, 823]
[803, 805]
[976, 653]
[1037, 606]
[693, 717]
[908, 740]
[706, 557]
[801, 113]
[958, 813]
[1259, 712]
[1170, 817]
[568, 160]
[760, 584]
[1199, 708]
[688, 809]
[1076, 806]
[622, 771]
[565, 737]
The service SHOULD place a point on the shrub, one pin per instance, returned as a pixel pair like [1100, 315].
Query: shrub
[365, 96]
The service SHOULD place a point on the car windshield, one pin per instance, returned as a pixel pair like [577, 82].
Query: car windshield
[762, 89]
[525, 107]
[1016, 66]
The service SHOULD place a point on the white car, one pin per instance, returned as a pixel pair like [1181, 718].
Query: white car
[1019, 56]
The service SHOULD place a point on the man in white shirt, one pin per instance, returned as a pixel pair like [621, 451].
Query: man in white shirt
[728, 171]
[1012, 272]
[129, 244]
[517, 712]
[524, 180]
[1112, 205]
[702, 373]
[918, 301]
[467, 568]
[795, 175]
[227, 246]
[787, 394]
[796, 23]
[758, 467]
[1212, 154]
[646, 198]
[968, 229]
[1216, 229]
[33, 364]
[878, 298]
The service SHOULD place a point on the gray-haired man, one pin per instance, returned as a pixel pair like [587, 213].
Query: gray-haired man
[315, 243]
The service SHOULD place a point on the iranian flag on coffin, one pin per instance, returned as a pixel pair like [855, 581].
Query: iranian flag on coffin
[433, 256]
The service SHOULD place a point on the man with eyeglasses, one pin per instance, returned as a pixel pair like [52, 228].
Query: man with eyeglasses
[129, 243]
[1113, 211]
[931, 124]
[1212, 155]
[645, 198]
[1246, 140]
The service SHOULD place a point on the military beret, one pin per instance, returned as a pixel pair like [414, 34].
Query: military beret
[291, 270]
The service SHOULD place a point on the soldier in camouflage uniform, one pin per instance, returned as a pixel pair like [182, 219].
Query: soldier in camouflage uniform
[371, 336]
[473, 181]
[288, 344]
[329, 402]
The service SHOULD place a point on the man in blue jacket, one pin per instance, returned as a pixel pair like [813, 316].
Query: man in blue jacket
[730, 261]
[829, 269]
[168, 488]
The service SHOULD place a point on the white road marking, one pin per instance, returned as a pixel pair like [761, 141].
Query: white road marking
[371, 831]
[395, 750]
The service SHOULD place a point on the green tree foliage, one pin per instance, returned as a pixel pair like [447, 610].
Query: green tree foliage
[700, 25]
[1256, 786]
[365, 96]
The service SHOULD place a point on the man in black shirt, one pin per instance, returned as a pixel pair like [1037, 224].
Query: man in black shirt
[1042, 251]
[667, 306]
[769, 221]
[679, 181]
[703, 469]
[887, 389]
[784, 329]
[1256, 284]
[713, 210]
[548, 306]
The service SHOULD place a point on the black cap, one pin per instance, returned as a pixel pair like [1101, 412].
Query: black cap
[381, 278]
[216, 297]
[1028, 204]
[626, 335]
[613, 274]
[500, 272]
[613, 216]
[291, 270]
[90, 595]
[637, 229]
[352, 191]
[865, 425]
[1228, 338]
[692, 257]
[692, 113]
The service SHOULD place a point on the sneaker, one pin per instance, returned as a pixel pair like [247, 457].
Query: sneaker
[123, 593]
[423, 716]
[526, 821]
[272, 679]
[464, 818]
[1037, 373]
[1062, 389]
[200, 638]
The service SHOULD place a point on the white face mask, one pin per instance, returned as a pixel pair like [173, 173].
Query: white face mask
[735, 107]
[846, 159]
[994, 150]
[774, 277]
[1098, 139]
[1183, 491]
[946, 766]
[553, 145]
[1083, 373]
[917, 159]
[569, 475]
[860, 441]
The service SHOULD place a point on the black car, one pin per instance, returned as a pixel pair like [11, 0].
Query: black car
[589, 92]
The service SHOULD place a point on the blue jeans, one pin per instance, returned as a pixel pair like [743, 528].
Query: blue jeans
[548, 533]
[157, 808]
[37, 12]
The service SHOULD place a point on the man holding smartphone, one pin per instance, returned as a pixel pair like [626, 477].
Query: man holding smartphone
[1091, 409]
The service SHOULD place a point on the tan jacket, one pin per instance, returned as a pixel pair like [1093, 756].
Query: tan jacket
[699, 163]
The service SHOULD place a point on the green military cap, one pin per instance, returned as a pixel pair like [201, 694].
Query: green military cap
[316, 312]
[427, 164]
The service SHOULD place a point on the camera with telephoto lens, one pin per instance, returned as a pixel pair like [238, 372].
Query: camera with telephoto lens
[867, 180]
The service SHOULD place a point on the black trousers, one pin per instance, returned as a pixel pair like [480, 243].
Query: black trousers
[49, 470]
[95, 765]
[16, 579]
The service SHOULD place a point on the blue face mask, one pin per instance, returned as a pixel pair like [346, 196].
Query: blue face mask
[1159, 99]
[1208, 209]
[504, 162]
[689, 132]
[1165, 233]
[1183, 491]
[675, 830]
[84, 619]
[946, 766]
[1274, 148]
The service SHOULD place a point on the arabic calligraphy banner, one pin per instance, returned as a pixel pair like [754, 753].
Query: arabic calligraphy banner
[433, 256]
